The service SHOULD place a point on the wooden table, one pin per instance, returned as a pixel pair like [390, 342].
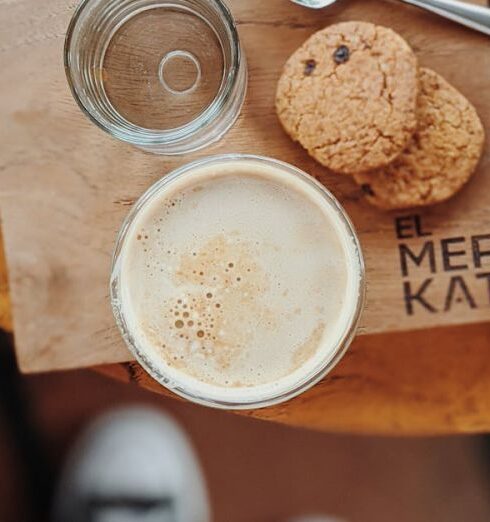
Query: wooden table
[427, 382]
[422, 382]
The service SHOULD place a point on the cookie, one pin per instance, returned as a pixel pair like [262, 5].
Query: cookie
[441, 157]
[348, 96]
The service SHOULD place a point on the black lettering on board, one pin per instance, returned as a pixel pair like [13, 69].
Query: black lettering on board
[407, 227]
[406, 253]
[478, 253]
[457, 292]
[447, 254]
[410, 297]
[485, 275]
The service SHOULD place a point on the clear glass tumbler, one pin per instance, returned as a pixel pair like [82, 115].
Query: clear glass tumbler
[166, 76]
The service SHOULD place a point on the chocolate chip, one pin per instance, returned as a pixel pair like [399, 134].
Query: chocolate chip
[309, 67]
[367, 190]
[341, 54]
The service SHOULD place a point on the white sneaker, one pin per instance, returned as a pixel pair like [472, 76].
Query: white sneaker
[132, 465]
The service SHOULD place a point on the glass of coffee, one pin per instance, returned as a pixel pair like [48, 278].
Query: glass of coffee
[237, 281]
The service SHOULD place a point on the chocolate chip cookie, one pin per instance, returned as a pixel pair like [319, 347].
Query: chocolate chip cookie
[348, 96]
[441, 157]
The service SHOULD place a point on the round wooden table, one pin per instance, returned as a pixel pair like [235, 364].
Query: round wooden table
[432, 381]
[426, 382]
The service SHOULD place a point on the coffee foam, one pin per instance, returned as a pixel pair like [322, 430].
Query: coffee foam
[238, 280]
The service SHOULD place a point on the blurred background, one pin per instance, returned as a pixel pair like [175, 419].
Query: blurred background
[256, 471]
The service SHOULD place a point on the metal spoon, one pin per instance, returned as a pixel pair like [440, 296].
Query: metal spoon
[475, 16]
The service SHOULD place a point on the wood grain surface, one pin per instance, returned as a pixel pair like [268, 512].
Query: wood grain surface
[422, 383]
[65, 187]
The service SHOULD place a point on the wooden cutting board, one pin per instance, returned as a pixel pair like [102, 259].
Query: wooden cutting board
[65, 186]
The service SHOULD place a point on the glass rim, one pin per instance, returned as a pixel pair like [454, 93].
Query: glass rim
[303, 384]
[152, 139]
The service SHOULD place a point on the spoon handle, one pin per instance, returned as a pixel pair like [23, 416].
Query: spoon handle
[475, 16]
